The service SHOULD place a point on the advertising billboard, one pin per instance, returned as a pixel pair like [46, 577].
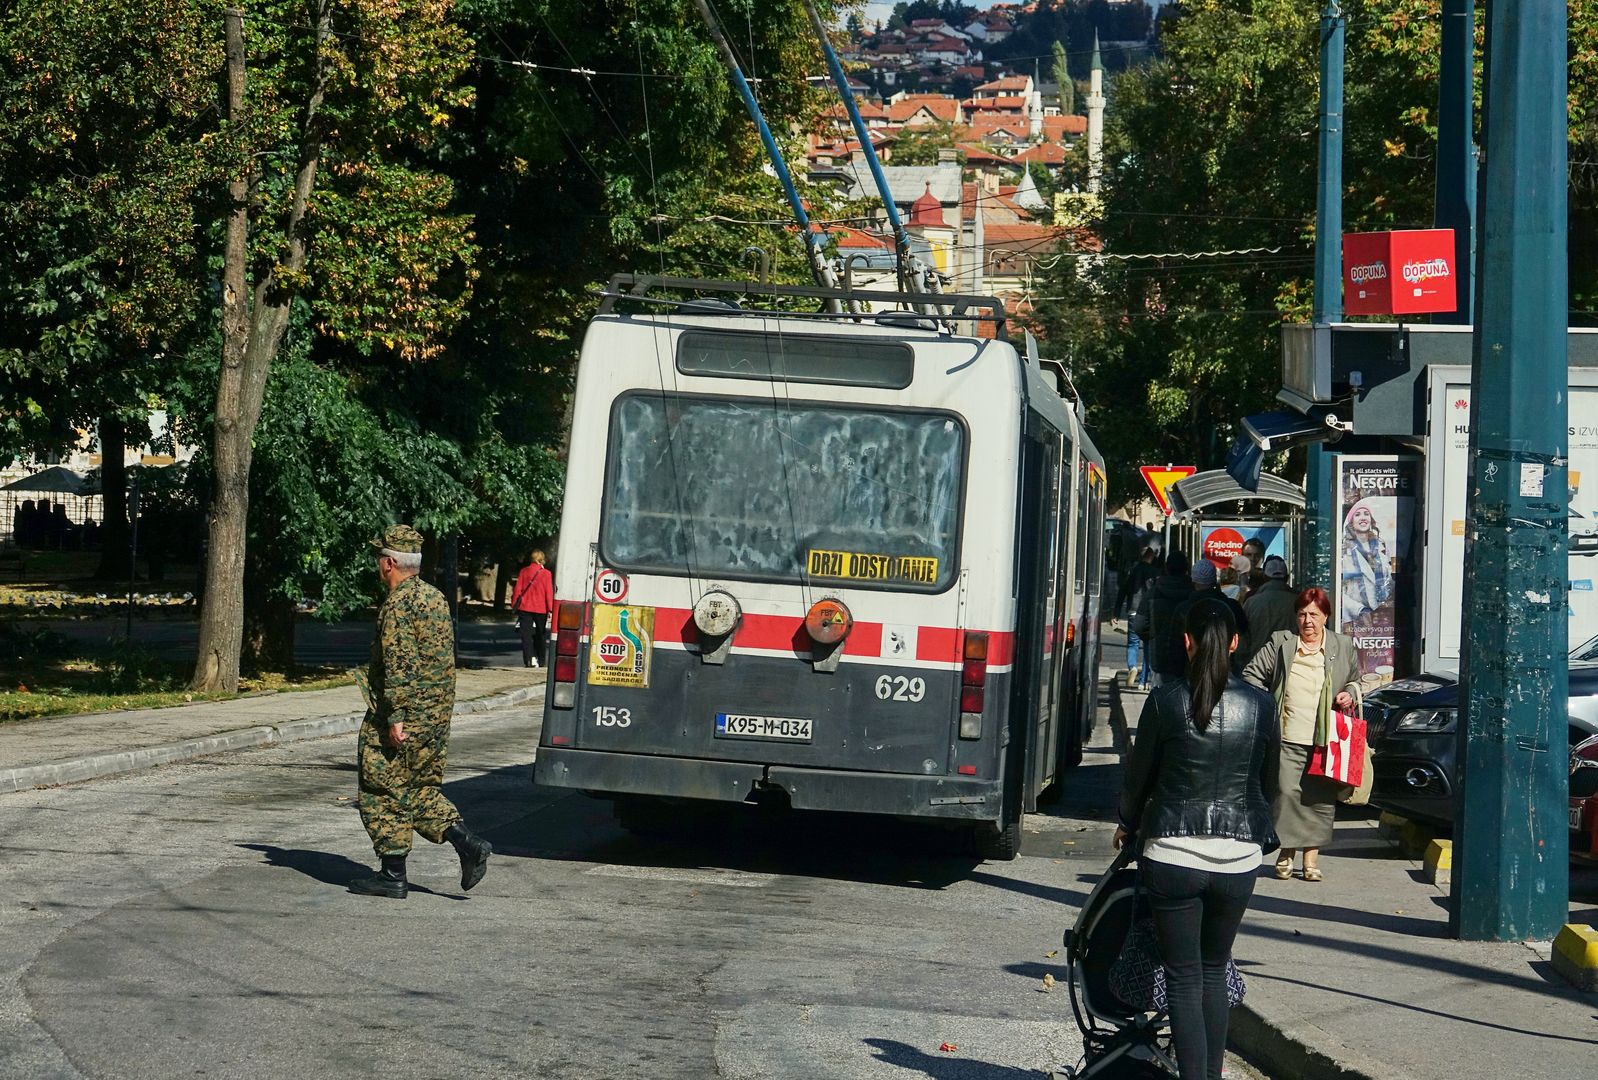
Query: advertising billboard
[1447, 465]
[1220, 540]
[1399, 273]
[1374, 586]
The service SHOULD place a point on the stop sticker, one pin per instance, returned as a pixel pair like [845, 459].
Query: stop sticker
[1221, 545]
[612, 649]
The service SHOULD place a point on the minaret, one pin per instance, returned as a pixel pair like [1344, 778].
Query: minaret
[1035, 108]
[1095, 119]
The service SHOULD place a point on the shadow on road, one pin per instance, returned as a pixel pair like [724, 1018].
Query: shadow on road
[943, 1066]
[329, 869]
[528, 821]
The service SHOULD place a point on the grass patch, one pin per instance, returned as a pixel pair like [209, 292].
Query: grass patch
[54, 676]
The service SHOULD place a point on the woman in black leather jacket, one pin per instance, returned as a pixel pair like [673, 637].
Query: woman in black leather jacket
[1197, 801]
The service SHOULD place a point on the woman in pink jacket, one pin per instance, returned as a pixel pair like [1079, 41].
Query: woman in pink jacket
[532, 601]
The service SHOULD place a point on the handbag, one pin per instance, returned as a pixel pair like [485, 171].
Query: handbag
[1138, 977]
[1342, 759]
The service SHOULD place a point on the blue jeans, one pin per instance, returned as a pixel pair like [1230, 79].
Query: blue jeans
[1137, 657]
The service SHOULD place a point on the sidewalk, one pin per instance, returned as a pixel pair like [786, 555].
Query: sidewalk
[1355, 977]
[68, 749]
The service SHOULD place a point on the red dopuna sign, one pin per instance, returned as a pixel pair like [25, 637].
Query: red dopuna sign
[1410, 272]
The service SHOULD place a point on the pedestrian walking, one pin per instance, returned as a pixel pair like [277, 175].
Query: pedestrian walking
[532, 600]
[1138, 579]
[1269, 607]
[410, 687]
[1167, 660]
[1308, 672]
[1196, 801]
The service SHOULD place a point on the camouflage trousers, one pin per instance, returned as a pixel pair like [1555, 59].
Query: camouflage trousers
[399, 787]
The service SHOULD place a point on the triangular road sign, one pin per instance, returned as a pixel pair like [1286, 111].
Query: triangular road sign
[1159, 478]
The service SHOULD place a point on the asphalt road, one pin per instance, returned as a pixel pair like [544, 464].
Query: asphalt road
[192, 921]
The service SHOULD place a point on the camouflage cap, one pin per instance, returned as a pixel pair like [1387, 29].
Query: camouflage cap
[399, 538]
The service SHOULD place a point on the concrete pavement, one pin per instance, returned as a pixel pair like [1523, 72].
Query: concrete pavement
[69, 749]
[1356, 978]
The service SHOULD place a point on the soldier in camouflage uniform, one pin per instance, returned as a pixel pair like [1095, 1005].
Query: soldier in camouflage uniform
[410, 688]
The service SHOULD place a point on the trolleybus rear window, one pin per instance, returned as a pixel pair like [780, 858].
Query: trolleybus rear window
[778, 490]
[797, 357]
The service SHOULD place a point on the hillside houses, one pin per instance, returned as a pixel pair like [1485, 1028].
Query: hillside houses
[976, 213]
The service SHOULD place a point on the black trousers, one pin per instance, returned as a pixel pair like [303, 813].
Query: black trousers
[1196, 916]
[533, 625]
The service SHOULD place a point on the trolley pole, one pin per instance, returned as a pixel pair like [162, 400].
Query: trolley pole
[1316, 568]
[1511, 878]
[1455, 206]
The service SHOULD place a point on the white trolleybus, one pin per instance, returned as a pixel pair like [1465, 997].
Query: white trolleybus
[842, 562]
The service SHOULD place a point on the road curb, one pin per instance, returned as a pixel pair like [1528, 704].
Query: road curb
[95, 766]
[1300, 1050]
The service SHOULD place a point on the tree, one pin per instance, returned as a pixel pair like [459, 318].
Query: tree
[105, 174]
[340, 109]
[922, 145]
[1060, 71]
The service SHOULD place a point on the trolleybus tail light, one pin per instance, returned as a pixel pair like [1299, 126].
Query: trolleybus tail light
[828, 622]
[568, 637]
[716, 616]
[1070, 633]
[973, 684]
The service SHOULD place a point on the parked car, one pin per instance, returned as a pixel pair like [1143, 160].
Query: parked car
[1583, 535]
[1413, 726]
[1584, 800]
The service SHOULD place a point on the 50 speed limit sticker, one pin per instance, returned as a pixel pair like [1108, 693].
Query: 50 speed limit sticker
[610, 587]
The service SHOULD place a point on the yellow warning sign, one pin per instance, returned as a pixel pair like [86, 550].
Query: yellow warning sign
[621, 645]
[1161, 478]
[869, 566]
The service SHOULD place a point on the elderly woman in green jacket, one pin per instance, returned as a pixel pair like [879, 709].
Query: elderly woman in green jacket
[1309, 672]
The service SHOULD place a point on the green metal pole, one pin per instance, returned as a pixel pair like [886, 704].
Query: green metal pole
[1456, 150]
[1320, 531]
[1511, 879]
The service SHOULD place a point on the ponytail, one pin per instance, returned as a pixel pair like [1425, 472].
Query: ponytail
[1211, 625]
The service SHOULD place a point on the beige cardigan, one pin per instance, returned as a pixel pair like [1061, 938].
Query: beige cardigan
[1268, 671]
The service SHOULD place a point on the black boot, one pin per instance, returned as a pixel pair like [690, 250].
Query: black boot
[389, 881]
[473, 850]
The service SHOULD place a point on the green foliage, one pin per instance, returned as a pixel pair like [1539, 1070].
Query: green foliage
[920, 146]
[104, 179]
[1060, 72]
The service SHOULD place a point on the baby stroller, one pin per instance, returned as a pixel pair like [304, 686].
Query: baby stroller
[1120, 1042]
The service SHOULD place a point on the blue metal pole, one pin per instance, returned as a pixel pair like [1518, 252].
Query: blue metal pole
[1321, 531]
[1456, 150]
[1329, 190]
[901, 237]
[813, 240]
[1511, 878]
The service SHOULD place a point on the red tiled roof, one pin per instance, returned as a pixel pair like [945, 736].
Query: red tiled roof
[1025, 237]
[977, 154]
[1057, 127]
[1048, 153]
[858, 239]
[999, 86]
[943, 108]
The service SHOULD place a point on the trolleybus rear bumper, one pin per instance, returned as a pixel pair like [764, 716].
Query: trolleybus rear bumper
[604, 772]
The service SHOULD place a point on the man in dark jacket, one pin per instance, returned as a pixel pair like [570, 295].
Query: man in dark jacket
[1206, 587]
[1167, 654]
[1269, 609]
